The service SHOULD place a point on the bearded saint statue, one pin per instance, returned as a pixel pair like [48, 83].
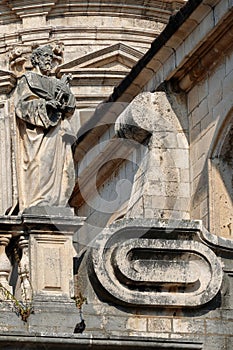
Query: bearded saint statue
[45, 170]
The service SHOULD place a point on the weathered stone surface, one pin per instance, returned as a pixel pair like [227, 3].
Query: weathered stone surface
[176, 178]
[222, 176]
[150, 119]
[42, 246]
[7, 190]
[44, 158]
[5, 265]
[143, 264]
[54, 342]
[51, 254]
[99, 56]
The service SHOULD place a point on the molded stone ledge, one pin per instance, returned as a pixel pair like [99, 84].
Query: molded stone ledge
[64, 341]
[41, 220]
[56, 219]
[11, 224]
[151, 263]
[216, 242]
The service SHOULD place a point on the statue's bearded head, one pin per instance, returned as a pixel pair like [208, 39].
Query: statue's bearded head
[43, 57]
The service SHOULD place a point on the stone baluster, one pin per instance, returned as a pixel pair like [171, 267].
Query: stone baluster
[5, 265]
[23, 270]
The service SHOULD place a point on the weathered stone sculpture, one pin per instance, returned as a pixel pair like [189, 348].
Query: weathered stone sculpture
[44, 160]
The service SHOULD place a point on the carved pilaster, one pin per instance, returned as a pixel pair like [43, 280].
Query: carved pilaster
[5, 157]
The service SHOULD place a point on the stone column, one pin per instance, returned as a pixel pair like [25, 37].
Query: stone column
[5, 265]
[23, 270]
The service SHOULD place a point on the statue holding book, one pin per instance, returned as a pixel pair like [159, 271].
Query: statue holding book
[43, 106]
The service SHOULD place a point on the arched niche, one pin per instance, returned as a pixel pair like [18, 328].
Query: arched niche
[221, 184]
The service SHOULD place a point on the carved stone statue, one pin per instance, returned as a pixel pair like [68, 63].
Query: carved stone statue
[43, 106]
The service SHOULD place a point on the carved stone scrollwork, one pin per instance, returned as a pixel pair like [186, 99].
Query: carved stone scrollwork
[148, 266]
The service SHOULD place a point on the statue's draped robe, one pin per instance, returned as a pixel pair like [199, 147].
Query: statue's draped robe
[45, 169]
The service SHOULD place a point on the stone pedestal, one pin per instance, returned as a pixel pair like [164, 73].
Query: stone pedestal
[41, 245]
[41, 252]
[51, 250]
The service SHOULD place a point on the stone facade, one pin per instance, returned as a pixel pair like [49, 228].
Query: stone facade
[152, 230]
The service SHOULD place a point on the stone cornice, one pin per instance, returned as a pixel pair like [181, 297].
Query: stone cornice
[78, 342]
[29, 8]
[78, 34]
[154, 10]
[91, 59]
[205, 58]
[7, 15]
[96, 76]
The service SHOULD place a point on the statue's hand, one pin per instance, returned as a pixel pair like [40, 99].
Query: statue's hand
[54, 104]
[62, 93]
[62, 87]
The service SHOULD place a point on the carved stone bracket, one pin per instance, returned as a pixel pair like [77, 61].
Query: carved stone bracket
[151, 263]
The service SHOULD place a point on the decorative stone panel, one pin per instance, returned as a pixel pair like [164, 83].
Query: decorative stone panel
[51, 250]
[52, 264]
